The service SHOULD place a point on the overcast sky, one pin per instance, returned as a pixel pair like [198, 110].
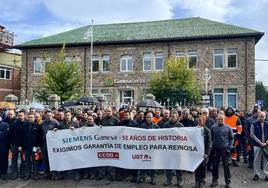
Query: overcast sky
[31, 19]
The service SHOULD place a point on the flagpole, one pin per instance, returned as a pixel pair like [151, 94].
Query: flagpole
[91, 56]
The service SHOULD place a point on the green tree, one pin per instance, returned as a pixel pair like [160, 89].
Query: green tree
[61, 78]
[42, 94]
[175, 82]
[261, 93]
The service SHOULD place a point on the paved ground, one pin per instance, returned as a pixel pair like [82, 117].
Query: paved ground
[241, 178]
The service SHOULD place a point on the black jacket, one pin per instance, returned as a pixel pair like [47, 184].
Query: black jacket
[48, 125]
[152, 125]
[171, 124]
[163, 123]
[3, 137]
[128, 123]
[31, 135]
[109, 121]
[15, 127]
[187, 123]
[207, 140]
[65, 125]
[209, 123]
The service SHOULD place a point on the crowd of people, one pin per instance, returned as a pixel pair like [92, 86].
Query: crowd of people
[228, 135]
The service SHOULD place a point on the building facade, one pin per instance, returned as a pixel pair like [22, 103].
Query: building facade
[125, 55]
[9, 66]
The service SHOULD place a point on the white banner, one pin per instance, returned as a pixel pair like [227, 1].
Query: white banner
[125, 147]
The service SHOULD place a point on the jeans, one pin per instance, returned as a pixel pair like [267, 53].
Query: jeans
[258, 154]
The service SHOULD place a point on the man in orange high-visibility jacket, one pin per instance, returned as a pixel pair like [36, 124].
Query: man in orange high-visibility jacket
[234, 122]
[157, 116]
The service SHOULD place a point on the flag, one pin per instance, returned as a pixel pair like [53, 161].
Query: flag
[88, 34]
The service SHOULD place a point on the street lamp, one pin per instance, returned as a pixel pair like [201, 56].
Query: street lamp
[206, 77]
[168, 100]
[101, 99]
[89, 34]
[26, 102]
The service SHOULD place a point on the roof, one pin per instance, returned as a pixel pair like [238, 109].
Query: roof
[163, 30]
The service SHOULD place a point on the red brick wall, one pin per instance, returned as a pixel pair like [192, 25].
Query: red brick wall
[8, 86]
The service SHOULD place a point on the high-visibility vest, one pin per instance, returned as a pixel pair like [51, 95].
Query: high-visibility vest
[156, 119]
[232, 122]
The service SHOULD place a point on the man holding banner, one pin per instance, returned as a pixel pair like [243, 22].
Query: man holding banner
[148, 124]
[108, 120]
[174, 122]
[200, 172]
[48, 124]
[68, 123]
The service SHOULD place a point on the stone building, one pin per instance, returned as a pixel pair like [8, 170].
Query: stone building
[10, 63]
[126, 54]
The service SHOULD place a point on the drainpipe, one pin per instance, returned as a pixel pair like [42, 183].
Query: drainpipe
[13, 75]
[85, 71]
[26, 71]
[246, 76]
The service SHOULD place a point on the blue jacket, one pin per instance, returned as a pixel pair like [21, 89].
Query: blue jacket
[4, 137]
[258, 132]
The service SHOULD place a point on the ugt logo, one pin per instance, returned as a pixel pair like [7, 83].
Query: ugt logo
[144, 157]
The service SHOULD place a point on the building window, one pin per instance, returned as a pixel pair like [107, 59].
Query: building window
[232, 97]
[126, 64]
[232, 57]
[126, 96]
[192, 54]
[5, 73]
[218, 58]
[106, 63]
[95, 64]
[147, 62]
[105, 93]
[159, 61]
[95, 92]
[67, 60]
[46, 62]
[180, 54]
[39, 66]
[218, 98]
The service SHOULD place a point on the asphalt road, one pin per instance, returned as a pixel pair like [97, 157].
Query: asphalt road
[241, 178]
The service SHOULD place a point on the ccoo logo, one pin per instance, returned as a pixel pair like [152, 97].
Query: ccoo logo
[108, 155]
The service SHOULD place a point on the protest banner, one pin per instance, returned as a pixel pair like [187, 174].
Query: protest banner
[125, 147]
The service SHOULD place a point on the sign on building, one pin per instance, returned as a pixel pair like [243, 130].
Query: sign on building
[259, 103]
